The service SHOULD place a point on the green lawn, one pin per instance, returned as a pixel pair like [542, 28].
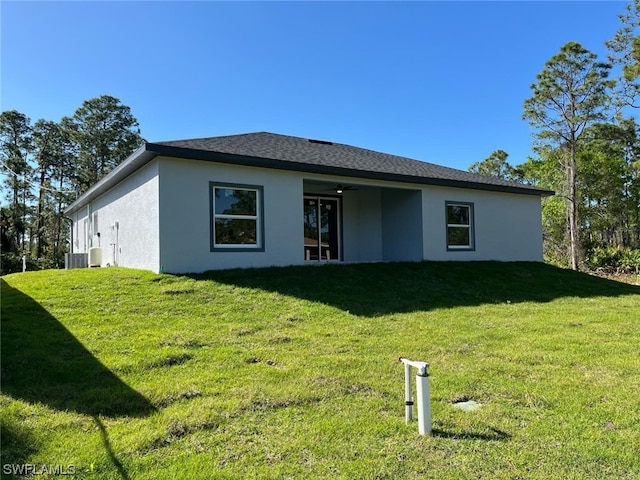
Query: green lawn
[293, 373]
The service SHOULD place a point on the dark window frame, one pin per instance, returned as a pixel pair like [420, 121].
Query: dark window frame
[259, 246]
[470, 226]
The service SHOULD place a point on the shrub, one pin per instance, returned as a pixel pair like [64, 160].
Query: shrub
[12, 263]
[630, 261]
[614, 260]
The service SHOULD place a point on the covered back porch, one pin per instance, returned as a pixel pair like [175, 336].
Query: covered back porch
[358, 222]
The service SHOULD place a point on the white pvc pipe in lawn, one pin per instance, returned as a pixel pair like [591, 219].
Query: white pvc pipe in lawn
[422, 390]
[408, 399]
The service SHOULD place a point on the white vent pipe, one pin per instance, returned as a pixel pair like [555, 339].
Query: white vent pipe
[422, 391]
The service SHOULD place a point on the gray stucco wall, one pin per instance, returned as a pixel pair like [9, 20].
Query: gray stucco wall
[159, 219]
[382, 224]
[362, 225]
[185, 220]
[401, 225]
[508, 227]
[128, 221]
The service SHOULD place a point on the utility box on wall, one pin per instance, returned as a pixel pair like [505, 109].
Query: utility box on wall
[95, 257]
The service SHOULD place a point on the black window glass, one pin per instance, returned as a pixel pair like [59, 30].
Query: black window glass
[232, 201]
[458, 215]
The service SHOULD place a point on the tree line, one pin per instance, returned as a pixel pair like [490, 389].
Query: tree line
[586, 149]
[46, 166]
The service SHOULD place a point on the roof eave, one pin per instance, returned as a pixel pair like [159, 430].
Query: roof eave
[148, 151]
[181, 152]
[133, 162]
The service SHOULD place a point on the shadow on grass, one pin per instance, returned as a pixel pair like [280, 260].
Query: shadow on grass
[493, 435]
[383, 288]
[106, 443]
[42, 362]
[18, 443]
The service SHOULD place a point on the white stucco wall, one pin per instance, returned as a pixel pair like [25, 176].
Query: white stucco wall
[80, 231]
[508, 227]
[127, 221]
[185, 221]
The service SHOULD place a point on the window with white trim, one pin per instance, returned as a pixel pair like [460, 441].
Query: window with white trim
[460, 234]
[237, 217]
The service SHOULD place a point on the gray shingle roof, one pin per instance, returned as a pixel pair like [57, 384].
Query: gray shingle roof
[302, 154]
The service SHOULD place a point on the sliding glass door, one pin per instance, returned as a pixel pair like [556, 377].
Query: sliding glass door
[321, 229]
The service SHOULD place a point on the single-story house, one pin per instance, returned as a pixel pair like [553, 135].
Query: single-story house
[263, 199]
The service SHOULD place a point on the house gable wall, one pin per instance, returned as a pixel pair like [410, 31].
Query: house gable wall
[127, 220]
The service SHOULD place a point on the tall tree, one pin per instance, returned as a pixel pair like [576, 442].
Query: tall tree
[571, 93]
[624, 51]
[106, 133]
[543, 172]
[610, 182]
[56, 161]
[15, 148]
[43, 132]
[495, 165]
[608, 190]
[53, 154]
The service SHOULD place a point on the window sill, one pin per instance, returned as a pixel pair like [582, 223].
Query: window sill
[237, 249]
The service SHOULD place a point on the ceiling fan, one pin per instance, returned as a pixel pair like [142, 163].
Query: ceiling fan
[342, 188]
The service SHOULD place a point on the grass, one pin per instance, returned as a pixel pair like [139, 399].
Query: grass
[293, 372]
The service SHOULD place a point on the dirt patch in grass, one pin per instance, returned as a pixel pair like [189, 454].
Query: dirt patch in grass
[176, 430]
[170, 361]
[266, 403]
[187, 395]
[179, 341]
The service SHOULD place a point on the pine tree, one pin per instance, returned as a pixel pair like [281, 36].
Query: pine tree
[571, 93]
[106, 133]
[15, 148]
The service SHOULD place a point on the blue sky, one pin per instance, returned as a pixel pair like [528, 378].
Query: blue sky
[442, 82]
